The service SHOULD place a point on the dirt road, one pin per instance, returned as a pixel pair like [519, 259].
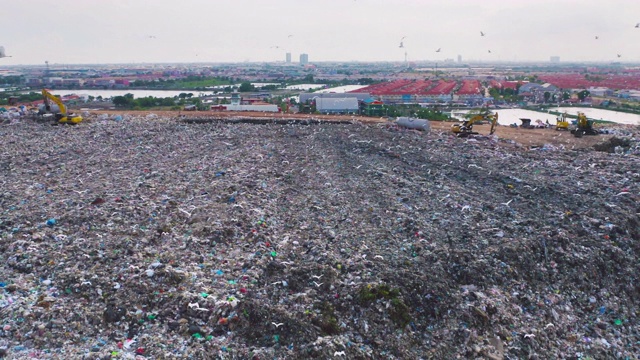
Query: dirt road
[528, 138]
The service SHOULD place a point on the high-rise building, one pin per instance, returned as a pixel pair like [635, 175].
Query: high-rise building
[304, 59]
[459, 58]
[288, 58]
[554, 59]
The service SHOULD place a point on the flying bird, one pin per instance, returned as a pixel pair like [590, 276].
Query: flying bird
[152, 36]
[619, 55]
[481, 33]
[277, 325]
[438, 50]
[638, 25]
[597, 37]
[2, 53]
[489, 51]
[401, 43]
[289, 36]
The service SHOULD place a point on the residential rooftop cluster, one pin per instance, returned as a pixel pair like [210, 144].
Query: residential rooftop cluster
[424, 83]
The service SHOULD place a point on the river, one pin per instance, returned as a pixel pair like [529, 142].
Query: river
[136, 93]
[513, 116]
[601, 114]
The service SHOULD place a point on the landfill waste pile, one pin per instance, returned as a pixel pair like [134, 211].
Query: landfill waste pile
[624, 141]
[155, 239]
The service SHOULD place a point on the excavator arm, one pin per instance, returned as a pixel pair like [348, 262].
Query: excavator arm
[466, 127]
[494, 123]
[49, 96]
[63, 117]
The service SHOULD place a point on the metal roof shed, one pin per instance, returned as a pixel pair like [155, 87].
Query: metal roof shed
[328, 105]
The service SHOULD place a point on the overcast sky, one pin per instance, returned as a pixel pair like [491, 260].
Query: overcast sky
[130, 31]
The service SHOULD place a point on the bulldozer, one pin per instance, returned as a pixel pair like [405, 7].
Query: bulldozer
[465, 128]
[584, 126]
[61, 116]
[561, 122]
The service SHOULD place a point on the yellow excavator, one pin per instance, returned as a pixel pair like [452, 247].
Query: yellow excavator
[561, 122]
[62, 117]
[584, 126]
[465, 128]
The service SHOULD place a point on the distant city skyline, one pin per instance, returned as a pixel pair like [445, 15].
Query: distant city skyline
[136, 31]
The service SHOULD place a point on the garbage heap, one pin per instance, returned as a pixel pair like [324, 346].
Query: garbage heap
[150, 238]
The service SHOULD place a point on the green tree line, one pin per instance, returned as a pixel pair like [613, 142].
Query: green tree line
[22, 98]
[128, 101]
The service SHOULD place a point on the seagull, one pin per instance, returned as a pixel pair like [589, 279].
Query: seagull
[401, 44]
[597, 38]
[619, 55]
[289, 35]
[152, 36]
[2, 53]
[489, 51]
[529, 336]
[549, 325]
[638, 25]
[316, 276]
[507, 203]
[339, 353]
[277, 325]
[481, 33]
[622, 193]
[378, 257]
[316, 284]
[438, 50]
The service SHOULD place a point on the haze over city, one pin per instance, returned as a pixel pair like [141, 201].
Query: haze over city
[125, 31]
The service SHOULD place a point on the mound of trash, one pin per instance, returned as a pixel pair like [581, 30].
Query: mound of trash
[154, 239]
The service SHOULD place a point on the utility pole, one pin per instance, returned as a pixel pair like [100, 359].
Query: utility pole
[47, 72]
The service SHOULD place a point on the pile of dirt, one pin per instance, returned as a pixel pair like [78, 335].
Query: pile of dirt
[154, 238]
[611, 144]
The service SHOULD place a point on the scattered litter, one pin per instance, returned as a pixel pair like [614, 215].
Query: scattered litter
[153, 238]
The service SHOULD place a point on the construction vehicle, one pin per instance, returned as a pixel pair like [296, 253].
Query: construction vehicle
[561, 122]
[584, 126]
[526, 123]
[61, 116]
[465, 128]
